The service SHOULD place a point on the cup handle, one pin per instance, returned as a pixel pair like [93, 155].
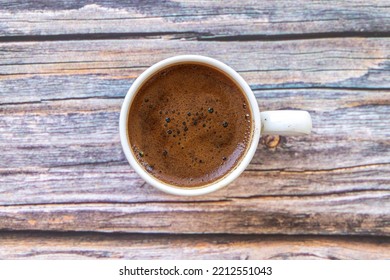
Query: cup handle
[285, 123]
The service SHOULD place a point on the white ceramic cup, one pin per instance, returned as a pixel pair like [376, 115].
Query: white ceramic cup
[283, 122]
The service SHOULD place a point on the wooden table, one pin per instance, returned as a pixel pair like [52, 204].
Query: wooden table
[67, 191]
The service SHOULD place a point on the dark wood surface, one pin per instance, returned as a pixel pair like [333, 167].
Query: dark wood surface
[46, 245]
[65, 67]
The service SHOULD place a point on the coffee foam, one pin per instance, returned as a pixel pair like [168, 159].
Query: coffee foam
[189, 125]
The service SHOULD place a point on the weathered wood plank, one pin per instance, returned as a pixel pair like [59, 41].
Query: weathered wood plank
[191, 19]
[117, 183]
[337, 62]
[365, 213]
[130, 246]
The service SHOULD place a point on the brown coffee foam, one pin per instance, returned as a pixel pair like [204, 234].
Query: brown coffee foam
[189, 125]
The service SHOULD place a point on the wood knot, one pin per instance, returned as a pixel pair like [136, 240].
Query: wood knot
[270, 141]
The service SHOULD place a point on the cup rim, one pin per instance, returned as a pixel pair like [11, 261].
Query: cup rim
[229, 177]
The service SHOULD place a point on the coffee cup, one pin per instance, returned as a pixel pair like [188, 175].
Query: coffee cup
[279, 122]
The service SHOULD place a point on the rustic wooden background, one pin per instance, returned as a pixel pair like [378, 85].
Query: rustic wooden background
[67, 191]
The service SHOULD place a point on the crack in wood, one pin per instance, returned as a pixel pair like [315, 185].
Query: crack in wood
[293, 37]
[8, 171]
[319, 194]
[99, 36]
[43, 100]
[163, 16]
[309, 171]
[385, 194]
[121, 203]
[258, 91]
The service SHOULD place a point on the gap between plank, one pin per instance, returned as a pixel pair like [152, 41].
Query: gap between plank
[193, 36]
[142, 235]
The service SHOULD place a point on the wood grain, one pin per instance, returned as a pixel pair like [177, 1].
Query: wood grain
[66, 66]
[365, 213]
[335, 62]
[217, 247]
[202, 20]
[63, 169]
